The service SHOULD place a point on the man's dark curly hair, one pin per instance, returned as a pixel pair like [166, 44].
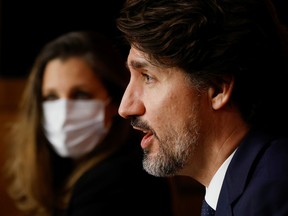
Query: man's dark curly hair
[208, 39]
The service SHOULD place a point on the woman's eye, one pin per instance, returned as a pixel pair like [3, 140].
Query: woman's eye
[50, 97]
[81, 95]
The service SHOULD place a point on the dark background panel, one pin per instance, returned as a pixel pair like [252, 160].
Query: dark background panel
[27, 25]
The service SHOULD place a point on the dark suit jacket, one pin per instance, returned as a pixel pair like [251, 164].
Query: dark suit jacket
[256, 182]
[120, 186]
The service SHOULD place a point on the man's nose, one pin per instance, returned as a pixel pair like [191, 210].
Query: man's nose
[131, 103]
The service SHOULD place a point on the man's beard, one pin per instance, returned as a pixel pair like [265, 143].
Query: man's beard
[175, 150]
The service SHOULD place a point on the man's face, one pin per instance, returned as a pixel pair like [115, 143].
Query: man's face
[163, 104]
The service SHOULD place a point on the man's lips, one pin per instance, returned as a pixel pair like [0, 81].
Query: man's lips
[146, 138]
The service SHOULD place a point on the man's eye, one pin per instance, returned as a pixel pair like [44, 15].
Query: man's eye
[147, 78]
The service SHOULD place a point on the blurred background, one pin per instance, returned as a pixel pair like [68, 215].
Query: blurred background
[25, 26]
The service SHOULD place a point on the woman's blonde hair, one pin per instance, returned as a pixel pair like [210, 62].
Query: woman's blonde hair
[37, 176]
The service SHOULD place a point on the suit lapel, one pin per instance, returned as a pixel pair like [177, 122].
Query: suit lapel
[237, 175]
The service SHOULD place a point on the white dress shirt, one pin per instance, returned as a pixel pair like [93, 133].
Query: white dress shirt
[213, 190]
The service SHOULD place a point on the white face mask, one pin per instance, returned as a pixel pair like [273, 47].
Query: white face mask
[74, 127]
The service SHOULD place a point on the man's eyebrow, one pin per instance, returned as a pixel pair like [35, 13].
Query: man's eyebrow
[136, 64]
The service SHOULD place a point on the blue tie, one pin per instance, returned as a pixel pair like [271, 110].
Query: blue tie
[207, 210]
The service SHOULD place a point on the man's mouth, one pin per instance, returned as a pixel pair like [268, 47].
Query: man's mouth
[146, 140]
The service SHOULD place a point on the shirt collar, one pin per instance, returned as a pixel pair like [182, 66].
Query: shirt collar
[213, 190]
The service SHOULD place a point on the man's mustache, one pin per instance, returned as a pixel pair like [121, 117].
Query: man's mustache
[137, 122]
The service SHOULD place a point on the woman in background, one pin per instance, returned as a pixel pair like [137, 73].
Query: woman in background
[71, 154]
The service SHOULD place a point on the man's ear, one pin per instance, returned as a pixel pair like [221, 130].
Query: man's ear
[220, 93]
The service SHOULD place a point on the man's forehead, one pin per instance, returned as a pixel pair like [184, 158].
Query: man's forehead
[136, 59]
